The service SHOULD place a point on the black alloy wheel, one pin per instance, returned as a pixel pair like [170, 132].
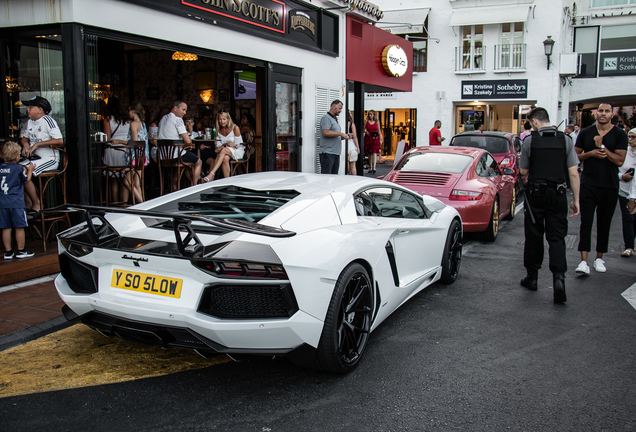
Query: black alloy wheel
[348, 322]
[452, 258]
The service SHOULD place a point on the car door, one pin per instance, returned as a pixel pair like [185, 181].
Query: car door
[501, 182]
[415, 242]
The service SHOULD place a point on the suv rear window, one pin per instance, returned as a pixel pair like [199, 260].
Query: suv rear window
[491, 144]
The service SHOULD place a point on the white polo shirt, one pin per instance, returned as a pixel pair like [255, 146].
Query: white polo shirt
[170, 128]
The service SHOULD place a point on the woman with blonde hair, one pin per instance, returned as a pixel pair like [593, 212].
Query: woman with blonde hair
[372, 139]
[230, 146]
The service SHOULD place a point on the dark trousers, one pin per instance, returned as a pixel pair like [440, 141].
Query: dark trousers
[550, 210]
[329, 163]
[629, 223]
[601, 201]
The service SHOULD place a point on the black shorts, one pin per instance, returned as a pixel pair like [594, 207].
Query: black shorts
[208, 153]
[189, 157]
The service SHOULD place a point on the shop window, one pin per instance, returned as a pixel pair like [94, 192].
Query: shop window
[606, 3]
[621, 37]
[34, 68]
[586, 46]
[470, 54]
[510, 54]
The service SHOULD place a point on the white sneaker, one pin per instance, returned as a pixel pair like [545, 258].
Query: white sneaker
[583, 268]
[599, 266]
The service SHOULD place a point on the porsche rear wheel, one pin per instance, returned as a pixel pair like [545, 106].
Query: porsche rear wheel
[348, 322]
[452, 259]
[513, 205]
[493, 227]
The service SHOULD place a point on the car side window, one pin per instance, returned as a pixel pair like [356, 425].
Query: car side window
[493, 166]
[481, 168]
[391, 203]
[365, 206]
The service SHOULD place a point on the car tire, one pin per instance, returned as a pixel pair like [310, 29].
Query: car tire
[452, 258]
[348, 322]
[490, 234]
[513, 205]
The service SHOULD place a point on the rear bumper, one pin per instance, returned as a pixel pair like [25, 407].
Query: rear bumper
[177, 337]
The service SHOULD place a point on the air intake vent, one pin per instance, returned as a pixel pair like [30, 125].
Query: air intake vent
[356, 29]
[249, 301]
[81, 278]
[422, 178]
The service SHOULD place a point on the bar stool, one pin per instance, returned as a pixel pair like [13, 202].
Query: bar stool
[169, 159]
[242, 164]
[114, 172]
[135, 156]
[49, 197]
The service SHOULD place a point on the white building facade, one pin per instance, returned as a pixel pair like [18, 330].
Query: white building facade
[485, 61]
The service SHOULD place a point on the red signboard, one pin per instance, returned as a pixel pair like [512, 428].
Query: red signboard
[365, 45]
[267, 14]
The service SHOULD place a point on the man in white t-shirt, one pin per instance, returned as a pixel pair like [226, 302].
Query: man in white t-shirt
[37, 134]
[171, 127]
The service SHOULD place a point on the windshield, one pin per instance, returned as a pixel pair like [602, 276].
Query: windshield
[438, 162]
[232, 202]
[491, 144]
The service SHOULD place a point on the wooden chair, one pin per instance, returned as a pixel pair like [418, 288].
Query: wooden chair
[175, 166]
[117, 173]
[51, 186]
[243, 164]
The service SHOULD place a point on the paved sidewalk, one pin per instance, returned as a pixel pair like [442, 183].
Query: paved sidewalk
[29, 310]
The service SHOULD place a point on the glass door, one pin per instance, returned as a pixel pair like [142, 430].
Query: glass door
[286, 148]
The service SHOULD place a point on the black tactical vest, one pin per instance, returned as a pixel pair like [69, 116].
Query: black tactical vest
[548, 157]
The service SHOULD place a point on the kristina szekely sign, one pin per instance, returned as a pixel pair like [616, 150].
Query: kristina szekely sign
[495, 89]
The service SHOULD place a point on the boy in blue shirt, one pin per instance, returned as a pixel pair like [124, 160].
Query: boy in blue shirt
[12, 208]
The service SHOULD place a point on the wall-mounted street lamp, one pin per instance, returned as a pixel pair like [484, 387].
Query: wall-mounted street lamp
[548, 44]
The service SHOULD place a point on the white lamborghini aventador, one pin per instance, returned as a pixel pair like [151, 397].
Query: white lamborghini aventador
[273, 263]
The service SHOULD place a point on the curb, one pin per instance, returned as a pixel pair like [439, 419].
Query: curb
[34, 332]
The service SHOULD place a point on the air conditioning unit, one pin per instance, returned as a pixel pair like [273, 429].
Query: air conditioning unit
[582, 20]
[567, 64]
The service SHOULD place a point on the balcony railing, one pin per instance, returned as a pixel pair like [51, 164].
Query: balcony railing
[470, 60]
[510, 57]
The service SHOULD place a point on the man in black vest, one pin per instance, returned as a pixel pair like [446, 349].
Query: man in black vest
[548, 159]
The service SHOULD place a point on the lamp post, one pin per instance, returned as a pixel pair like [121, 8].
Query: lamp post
[548, 44]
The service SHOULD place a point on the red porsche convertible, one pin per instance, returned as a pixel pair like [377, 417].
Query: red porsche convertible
[469, 179]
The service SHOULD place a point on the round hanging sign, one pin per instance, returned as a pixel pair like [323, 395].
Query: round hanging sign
[394, 60]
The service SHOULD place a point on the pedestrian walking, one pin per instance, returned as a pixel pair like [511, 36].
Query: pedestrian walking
[626, 175]
[602, 147]
[548, 159]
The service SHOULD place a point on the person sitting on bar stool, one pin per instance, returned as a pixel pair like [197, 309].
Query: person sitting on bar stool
[229, 147]
[172, 127]
[38, 133]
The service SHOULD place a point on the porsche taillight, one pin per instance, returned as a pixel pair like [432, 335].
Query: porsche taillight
[241, 269]
[460, 195]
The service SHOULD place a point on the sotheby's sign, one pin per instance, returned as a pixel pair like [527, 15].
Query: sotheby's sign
[495, 89]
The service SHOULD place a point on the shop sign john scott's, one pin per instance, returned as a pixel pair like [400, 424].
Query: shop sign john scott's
[267, 14]
[495, 89]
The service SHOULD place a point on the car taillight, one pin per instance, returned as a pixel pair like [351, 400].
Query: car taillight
[460, 195]
[242, 269]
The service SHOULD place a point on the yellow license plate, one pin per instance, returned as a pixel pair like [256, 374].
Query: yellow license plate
[146, 283]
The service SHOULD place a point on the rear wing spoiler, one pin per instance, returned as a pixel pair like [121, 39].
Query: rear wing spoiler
[181, 224]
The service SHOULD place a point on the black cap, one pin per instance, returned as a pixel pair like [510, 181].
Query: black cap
[39, 101]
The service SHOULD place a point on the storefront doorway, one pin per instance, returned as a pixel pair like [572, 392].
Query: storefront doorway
[504, 117]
